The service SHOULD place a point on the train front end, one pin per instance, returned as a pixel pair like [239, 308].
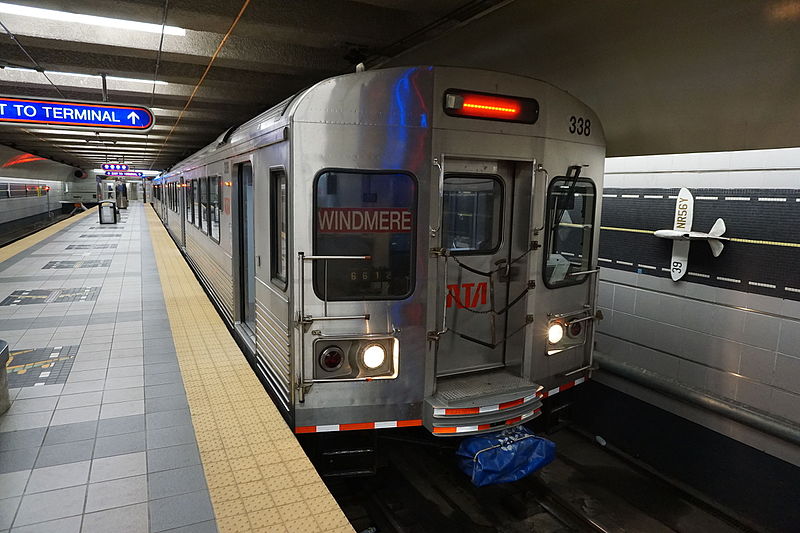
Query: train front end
[445, 227]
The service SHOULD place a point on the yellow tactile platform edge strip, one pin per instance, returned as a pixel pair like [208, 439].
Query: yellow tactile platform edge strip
[9, 251]
[258, 475]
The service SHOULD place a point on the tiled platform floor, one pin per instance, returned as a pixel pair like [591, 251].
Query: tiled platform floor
[111, 447]
[259, 477]
[110, 443]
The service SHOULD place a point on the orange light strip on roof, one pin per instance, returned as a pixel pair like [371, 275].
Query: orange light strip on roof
[490, 106]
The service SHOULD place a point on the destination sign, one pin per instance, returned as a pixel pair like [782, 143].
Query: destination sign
[129, 174]
[66, 113]
[115, 166]
[364, 220]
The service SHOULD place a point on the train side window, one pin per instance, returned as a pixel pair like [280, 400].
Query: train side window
[279, 227]
[472, 214]
[570, 227]
[213, 207]
[188, 201]
[361, 213]
[203, 222]
[196, 203]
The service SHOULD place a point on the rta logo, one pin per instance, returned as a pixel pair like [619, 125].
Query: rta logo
[466, 295]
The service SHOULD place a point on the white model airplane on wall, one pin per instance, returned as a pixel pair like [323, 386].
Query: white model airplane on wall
[682, 235]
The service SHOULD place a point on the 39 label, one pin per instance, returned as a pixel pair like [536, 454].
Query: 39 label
[580, 126]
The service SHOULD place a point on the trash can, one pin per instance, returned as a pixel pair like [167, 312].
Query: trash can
[5, 402]
[108, 212]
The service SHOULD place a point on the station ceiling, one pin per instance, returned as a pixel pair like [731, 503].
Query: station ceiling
[276, 48]
[665, 76]
[677, 76]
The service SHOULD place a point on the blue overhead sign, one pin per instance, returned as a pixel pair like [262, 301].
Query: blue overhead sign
[66, 113]
[131, 174]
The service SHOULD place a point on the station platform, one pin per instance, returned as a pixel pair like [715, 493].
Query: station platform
[133, 409]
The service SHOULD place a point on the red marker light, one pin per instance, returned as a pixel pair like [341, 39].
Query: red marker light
[470, 104]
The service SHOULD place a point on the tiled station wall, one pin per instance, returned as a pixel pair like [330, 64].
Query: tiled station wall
[736, 341]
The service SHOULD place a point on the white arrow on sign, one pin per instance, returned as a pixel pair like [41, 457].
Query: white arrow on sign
[133, 117]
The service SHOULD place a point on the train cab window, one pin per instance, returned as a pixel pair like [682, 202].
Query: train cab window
[570, 226]
[472, 214]
[279, 227]
[203, 222]
[370, 214]
[213, 207]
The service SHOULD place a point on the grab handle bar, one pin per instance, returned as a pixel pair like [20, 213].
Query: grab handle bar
[582, 272]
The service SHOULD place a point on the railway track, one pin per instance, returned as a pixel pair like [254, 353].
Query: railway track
[419, 489]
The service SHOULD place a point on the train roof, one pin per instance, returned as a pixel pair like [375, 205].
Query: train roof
[304, 106]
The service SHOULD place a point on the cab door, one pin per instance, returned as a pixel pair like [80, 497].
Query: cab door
[476, 237]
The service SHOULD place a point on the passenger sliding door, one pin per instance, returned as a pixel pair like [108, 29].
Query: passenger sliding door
[244, 256]
[182, 210]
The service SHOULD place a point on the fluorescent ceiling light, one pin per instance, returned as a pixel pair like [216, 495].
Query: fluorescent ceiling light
[136, 80]
[146, 152]
[90, 133]
[81, 75]
[106, 22]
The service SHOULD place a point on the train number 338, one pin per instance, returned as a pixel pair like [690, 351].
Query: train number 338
[580, 126]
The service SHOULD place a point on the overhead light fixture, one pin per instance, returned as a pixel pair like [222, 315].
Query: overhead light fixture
[93, 134]
[81, 75]
[92, 20]
[136, 80]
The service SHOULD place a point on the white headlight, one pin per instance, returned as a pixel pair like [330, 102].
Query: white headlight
[555, 333]
[374, 356]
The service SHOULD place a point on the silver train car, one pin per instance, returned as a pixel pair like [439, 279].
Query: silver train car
[402, 247]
